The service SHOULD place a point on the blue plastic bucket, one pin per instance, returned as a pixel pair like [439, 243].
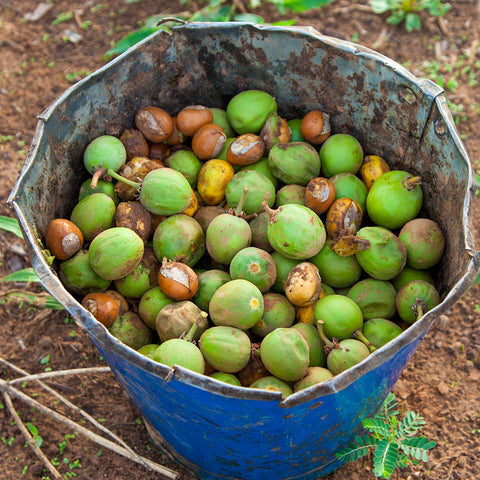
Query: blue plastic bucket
[215, 430]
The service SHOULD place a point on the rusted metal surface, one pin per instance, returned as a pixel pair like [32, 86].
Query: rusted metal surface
[214, 429]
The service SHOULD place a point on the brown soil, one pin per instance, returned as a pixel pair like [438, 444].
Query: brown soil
[441, 381]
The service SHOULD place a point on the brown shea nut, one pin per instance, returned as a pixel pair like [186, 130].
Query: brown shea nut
[155, 123]
[191, 118]
[319, 194]
[135, 143]
[63, 238]
[176, 137]
[177, 280]
[159, 151]
[208, 141]
[246, 149]
[123, 306]
[315, 127]
[136, 217]
[303, 285]
[102, 306]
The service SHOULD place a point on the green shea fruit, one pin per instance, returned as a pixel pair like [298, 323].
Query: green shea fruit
[272, 384]
[130, 330]
[380, 331]
[295, 231]
[395, 198]
[317, 357]
[340, 314]
[285, 354]
[220, 118]
[225, 377]
[278, 312]
[335, 270]
[148, 349]
[93, 215]
[105, 152]
[341, 153]
[226, 349]
[182, 353]
[114, 253]
[262, 167]
[208, 283]
[165, 191]
[425, 242]
[415, 299]
[179, 238]
[151, 302]
[238, 303]
[294, 162]
[347, 354]
[79, 278]
[295, 131]
[386, 256]
[408, 274]
[348, 185]
[103, 186]
[376, 298]
[248, 110]
[291, 193]
[256, 266]
[314, 376]
[283, 265]
[259, 226]
[260, 189]
[187, 163]
[226, 236]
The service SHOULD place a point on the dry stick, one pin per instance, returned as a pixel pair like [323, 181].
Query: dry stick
[166, 472]
[84, 414]
[30, 440]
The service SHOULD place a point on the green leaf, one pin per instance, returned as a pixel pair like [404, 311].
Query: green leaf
[10, 225]
[385, 458]
[358, 449]
[380, 6]
[378, 426]
[129, 40]
[417, 447]
[299, 6]
[396, 17]
[25, 275]
[248, 17]
[410, 425]
[412, 22]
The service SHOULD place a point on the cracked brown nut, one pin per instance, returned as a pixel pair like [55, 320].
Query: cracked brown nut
[191, 118]
[208, 141]
[319, 194]
[135, 143]
[344, 217]
[102, 306]
[155, 123]
[63, 238]
[177, 280]
[176, 137]
[246, 149]
[315, 127]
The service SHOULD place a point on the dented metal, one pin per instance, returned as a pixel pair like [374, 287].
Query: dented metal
[216, 430]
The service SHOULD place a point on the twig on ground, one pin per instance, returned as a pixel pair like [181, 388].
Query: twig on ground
[380, 39]
[28, 437]
[123, 449]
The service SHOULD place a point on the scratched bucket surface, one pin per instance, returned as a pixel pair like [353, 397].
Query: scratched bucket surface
[215, 430]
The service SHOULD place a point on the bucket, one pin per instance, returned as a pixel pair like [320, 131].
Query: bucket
[219, 431]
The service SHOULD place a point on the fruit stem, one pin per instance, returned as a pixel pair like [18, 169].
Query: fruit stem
[411, 182]
[360, 336]
[328, 343]
[419, 308]
[239, 207]
[272, 214]
[96, 177]
[112, 173]
[193, 330]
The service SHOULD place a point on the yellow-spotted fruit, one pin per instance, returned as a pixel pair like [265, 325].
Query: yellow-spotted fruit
[303, 284]
[213, 179]
[237, 303]
[372, 167]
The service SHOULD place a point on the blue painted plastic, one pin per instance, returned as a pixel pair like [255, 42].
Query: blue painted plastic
[216, 430]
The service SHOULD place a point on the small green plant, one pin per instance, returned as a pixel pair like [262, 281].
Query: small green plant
[394, 442]
[408, 11]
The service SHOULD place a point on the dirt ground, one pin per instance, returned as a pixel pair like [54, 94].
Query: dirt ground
[37, 63]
